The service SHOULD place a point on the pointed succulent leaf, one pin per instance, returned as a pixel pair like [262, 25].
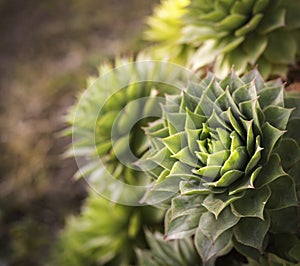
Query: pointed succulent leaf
[212, 228]
[283, 220]
[209, 250]
[255, 237]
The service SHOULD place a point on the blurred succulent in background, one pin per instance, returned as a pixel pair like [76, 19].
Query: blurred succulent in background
[171, 253]
[164, 29]
[240, 33]
[104, 234]
[106, 122]
[225, 167]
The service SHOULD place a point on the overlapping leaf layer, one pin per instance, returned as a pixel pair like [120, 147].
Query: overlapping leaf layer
[219, 161]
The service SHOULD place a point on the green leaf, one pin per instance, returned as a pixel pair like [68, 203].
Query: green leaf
[249, 26]
[283, 193]
[270, 172]
[273, 20]
[270, 136]
[191, 188]
[284, 220]
[182, 226]
[260, 6]
[175, 142]
[212, 228]
[293, 129]
[208, 172]
[271, 96]
[255, 46]
[185, 205]
[254, 160]
[254, 237]
[227, 179]
[277, 116]
[289, 153]
[186, 157]
[209, 250]
[252, 204]
[176, 121]
[247, 251]
[281, 52]
[236, 160]
[245, 183]
[215, 203]
[232, 22]
[181, 170]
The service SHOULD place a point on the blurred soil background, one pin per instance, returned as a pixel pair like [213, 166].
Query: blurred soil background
[47, 49]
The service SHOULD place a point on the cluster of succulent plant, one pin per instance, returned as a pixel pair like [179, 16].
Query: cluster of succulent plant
[219, 156]
[241, 33]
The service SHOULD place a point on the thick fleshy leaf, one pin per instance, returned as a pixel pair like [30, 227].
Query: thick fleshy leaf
[184, 205]
[246, 183]
[289, 153]
[281, 52]
[270, 172]
[271, 136]
[186, 157]
[215, 203]
[277, 116]
[247, 251]
[176, 142]
[250, 26]
[254, 237]
[209, 249]
[284, 220]
[227, 179]
[271, 96]
[273, 20]
[283, 193]
[236, 160]
[191, 188]
[212, 227]
[252, 204]
[182, 226]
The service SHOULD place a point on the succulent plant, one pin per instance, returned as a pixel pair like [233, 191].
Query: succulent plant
[171, 253]
[164, 30]
[234, 32]
[106, 122]
[226, 168]
[103, 234]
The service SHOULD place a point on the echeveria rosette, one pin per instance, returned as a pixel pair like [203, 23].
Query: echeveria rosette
[244, 34]
[220, 145]
[104, 234]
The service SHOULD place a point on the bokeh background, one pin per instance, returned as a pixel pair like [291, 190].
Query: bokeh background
[47, 49]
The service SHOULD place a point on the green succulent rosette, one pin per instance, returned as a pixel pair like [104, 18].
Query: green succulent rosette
[104, 234]
[106, 123]
[225, 168]
[243, 33]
